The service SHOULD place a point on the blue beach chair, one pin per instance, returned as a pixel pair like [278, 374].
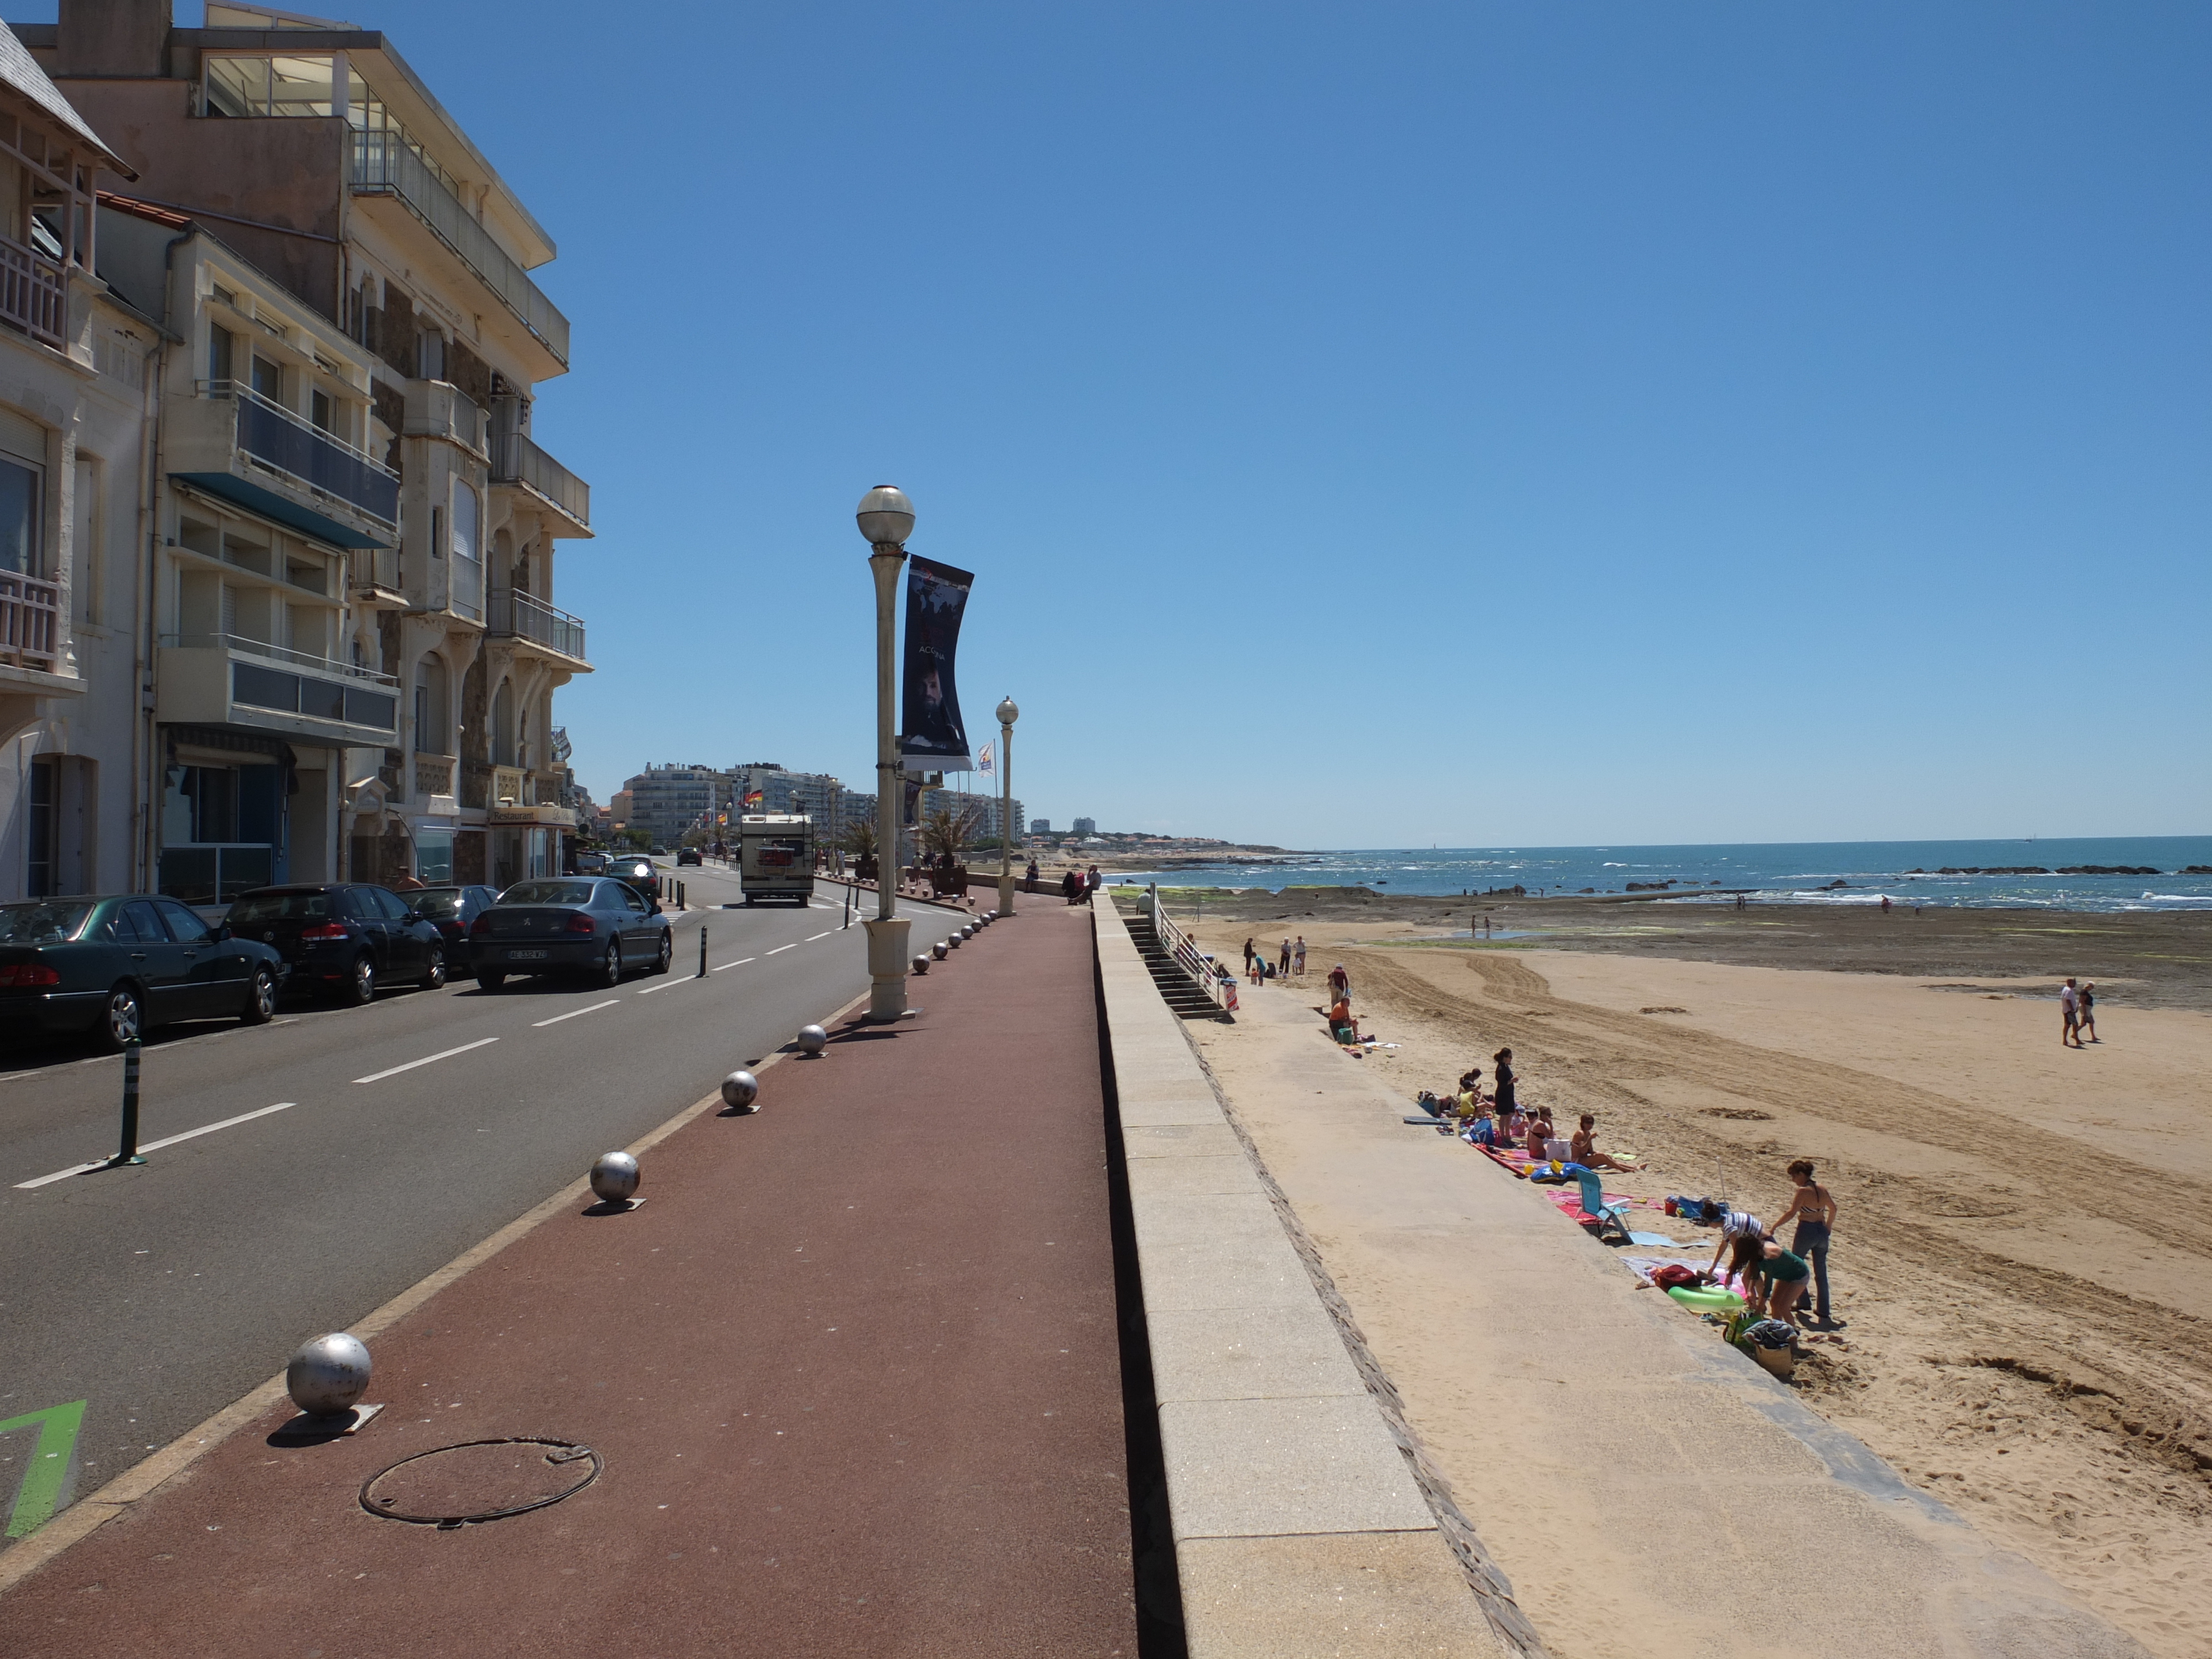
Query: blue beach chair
[1594, 1204]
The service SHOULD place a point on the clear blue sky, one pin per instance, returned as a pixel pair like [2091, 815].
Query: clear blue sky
[1380, 425]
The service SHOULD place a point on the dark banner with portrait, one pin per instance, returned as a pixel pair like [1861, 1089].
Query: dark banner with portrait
[935, 740]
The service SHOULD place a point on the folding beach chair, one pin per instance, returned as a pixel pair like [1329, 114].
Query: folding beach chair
[1594, 1204]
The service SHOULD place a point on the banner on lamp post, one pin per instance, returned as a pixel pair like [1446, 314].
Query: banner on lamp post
[934, 740]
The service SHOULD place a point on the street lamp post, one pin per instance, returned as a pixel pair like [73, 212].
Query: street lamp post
[886, 520]
[1008, 714]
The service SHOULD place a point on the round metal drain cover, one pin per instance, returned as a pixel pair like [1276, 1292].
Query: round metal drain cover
[480, 1481]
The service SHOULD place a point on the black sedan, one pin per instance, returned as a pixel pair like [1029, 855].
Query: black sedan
[640, 871]
[574, 924]
[690, 855]
[347, 937]
[450, 910]
[117, 967]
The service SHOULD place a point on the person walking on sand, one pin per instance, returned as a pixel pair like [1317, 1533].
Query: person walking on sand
[1298, 957]
[1248, 956]
[2086, 1024]
[1283, 967]
[2069, 1015]
[1813, 1207]
[1339, 984]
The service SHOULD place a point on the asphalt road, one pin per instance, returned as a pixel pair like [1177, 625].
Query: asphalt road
[157, 1295]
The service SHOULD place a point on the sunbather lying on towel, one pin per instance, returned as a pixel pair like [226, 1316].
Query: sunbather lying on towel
[1584, 1148]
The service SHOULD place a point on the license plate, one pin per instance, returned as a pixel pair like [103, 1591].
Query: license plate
[526, 956]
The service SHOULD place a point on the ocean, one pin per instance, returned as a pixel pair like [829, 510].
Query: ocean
[1810, 872]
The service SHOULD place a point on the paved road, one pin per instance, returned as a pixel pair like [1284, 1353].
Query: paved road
[158, 1295]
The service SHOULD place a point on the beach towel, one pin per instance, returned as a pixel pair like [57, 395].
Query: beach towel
[1503, 1162]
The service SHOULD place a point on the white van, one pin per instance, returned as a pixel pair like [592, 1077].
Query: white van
[776, 857]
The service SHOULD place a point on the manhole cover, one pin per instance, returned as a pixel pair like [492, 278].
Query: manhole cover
[480, 1481]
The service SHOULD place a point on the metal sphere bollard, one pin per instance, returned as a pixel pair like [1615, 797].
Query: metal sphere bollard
[812, 1039]
[328, 1375]
[970, 931]
[940, 949]
[740, 1091]
[921, 963]
[956, 940]
[614, 1176]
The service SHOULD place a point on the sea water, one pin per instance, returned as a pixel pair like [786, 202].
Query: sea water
[1905, 871]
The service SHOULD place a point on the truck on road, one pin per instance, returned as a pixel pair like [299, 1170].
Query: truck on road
[775, 856]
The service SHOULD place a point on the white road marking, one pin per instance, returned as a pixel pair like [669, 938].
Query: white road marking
[539, 1025]
[667, 985]
[394, 1071]
[811, 940]
[156, 1145]
[740, 963]
[781, 948]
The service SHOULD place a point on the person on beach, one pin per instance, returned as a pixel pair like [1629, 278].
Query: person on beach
[1339, 984]
[2069, 1015]
[1503, 1094]
[1298, 957]
[1341, 1025]
[1742, 1233]
[1533, 1137]
[2086, 1024]
[1775, 1280]
[1248, 956]
[1092, 887]
[1256, 967]
[1283, 967]
[1813, 1207]
[1582, 1149]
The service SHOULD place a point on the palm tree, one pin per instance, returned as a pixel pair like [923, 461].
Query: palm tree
[861, 838]
[948, 833]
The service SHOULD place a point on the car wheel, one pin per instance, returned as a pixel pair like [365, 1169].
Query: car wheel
[260, 999]
[121, 1020]
[667, 951]
[433, 976]
[359, 989]
[490, 981]
[611, 971]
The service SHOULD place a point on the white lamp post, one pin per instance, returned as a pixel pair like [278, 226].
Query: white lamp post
[886, 520]
[1008, 714]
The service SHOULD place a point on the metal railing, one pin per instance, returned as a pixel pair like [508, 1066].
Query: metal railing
[372, 568]
[30, 620]
[385, 164]
[330, 665]
[1184, 953]
[433, 776]
[521, 617]
[33, 294]
[516, 460]
[273, 434]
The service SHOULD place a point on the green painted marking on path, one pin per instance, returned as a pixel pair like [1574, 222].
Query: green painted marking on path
[50, 1462]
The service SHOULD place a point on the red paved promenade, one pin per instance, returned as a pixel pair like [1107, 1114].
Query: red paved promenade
[852, 1368]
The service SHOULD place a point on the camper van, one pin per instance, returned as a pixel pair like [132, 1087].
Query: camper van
[776, 857]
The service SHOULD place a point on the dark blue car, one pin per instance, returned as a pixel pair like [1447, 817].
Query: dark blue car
[116, 966]
[569, 924]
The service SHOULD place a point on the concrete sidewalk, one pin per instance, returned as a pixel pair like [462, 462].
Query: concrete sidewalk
[852, 1371]
[1649, 1489]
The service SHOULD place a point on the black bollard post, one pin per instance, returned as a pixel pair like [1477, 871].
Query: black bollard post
[129, 1151]
[703, 949]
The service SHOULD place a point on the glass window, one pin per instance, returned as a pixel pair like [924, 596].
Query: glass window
[184, 926]
[394, 907]
[20, 497]
[41, 924]
[466, 522]
[218, 349]
[269, 379]
[439, 902]
[280, 907]
[200, 803]
[549, 892]
[146, 921]
[434, 855]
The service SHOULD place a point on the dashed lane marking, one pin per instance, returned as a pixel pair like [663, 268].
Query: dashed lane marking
[781, 948]
[540, 1024]
[156, 1145]
[668, 985]
[812, 937]
[740, 963]
[426, 1060]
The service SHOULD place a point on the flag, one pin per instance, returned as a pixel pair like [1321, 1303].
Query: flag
[752, 797]
[936, 596]
[983, 761]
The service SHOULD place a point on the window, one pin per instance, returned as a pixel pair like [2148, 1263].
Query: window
[320, 410]
[269, 379]
[465, 521]
[268, 86]
[184, 927]
[219, 359]
[22, 491]
[38, 875]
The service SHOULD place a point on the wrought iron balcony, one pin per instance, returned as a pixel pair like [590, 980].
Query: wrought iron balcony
[273, 436]
[516, 460]
[33, 294]
[384, 164]
[30, 621]
[518, 616]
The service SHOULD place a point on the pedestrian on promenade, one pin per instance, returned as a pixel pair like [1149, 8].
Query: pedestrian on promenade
[1091, 885]
[2069, 1015]
[1298, 957]
[1283, 967]
[1248, 956]
[2087, 1026]
[1814, 1209]
[1339, 985]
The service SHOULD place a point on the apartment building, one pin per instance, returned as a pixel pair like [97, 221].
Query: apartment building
[983, 810]
[316, 155]
[74, 404]
[665, 801]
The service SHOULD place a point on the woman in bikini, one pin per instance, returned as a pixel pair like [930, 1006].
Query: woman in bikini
[1584, 1148]
[1813, 1207]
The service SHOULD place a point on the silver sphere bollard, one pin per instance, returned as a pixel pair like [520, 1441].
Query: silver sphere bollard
[740, 1091]
[812, 1039]
[327, 1375]
[956, 940]
[969, 931]
[921, 964]
[940, 949]
[614, 1176]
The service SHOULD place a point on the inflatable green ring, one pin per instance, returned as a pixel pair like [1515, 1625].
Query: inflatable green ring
[1710, 1299]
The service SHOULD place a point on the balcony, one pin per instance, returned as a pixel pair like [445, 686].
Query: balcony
[222, 679]
[30, 622]
[33, 294]
[515, 459]
[277, 438]
[229, 442]
[433, 776]
[518, 616]
[373, 574]
[435, 409]
[384, 165]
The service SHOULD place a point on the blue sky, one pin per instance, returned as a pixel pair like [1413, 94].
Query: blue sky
[1379, 425]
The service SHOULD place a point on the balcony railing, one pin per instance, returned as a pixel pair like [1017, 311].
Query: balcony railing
[516, 460]
[34, 296]
[433, 776]
[273, 434]
[371, 568]
[330, 665]
[384, 165]
[30, 620]
[519, 617]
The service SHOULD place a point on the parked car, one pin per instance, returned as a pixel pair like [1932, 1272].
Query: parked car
[690, 855]
[589, 864]
[573, 923]
[118, 966]
[450, 910]
[347, 937]
[640, 872]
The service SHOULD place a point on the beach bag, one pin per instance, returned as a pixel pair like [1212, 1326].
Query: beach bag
[1675, 1274]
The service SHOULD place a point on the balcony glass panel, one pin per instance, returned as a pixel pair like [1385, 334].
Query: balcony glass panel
[273, 434]
[516, 460]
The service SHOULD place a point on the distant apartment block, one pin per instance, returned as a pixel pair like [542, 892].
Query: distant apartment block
[1086, 826]
[1040, 826]
[982, 809]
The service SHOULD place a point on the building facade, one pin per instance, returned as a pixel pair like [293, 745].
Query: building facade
[1086, 827]
[317, 156]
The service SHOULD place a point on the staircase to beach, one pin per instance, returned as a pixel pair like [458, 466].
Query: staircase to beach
[1182, 994]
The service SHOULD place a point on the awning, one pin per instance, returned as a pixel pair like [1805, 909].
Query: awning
[272, 505]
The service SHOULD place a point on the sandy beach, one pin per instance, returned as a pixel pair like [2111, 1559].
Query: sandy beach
[2020, 1261]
